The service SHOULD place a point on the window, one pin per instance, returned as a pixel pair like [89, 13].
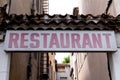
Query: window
[63, 78]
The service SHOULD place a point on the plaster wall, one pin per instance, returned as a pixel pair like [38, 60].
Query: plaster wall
[18, 66]
[96, 7]
[4, 63]
[114, 60]
[117, 6]
[2, 2]
[20, 6]
[95, 67]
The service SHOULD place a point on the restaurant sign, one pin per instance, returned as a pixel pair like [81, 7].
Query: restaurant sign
[60, 41]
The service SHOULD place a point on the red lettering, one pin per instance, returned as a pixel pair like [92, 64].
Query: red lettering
[45, 39]
[97, 40]
[23, 40]
[13, 40]
[36, 41]
[86, 41]
[75, 40]
[54, 41]
[64, 39]
[107, 37]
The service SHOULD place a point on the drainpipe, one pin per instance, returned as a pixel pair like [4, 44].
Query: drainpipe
[9, 6]
[108, 55]
[32, 8]
[29, 66]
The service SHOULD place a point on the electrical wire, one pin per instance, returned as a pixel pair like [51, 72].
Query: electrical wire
[108, 6]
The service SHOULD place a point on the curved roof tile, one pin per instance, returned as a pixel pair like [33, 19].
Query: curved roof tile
[13, 19]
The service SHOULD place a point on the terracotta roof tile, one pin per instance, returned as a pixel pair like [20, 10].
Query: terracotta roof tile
[80, 20]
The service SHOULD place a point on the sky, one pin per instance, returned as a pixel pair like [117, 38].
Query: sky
[62, 6]
[60, 56]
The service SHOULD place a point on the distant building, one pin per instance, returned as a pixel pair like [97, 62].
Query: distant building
[63, 72]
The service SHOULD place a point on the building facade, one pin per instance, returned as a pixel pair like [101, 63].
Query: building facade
[89, 66]
[110, 59]
[26, 6]
[89, 7]
[63, 72]
[25, 65]
[52, 66]
[41, 65]
[29, 6]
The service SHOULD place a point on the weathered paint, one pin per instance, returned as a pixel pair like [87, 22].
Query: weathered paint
[60, 41]
[114, 60]
[4, 63]
[90, 66]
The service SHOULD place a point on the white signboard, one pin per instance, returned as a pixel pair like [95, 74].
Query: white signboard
[60, 41]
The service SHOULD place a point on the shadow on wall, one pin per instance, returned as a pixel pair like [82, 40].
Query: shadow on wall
[95, 67]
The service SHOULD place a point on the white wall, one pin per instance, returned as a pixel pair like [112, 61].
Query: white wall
[4, 64]
[65, 73]
[114, 60]
[117, 6]
[95, 7]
